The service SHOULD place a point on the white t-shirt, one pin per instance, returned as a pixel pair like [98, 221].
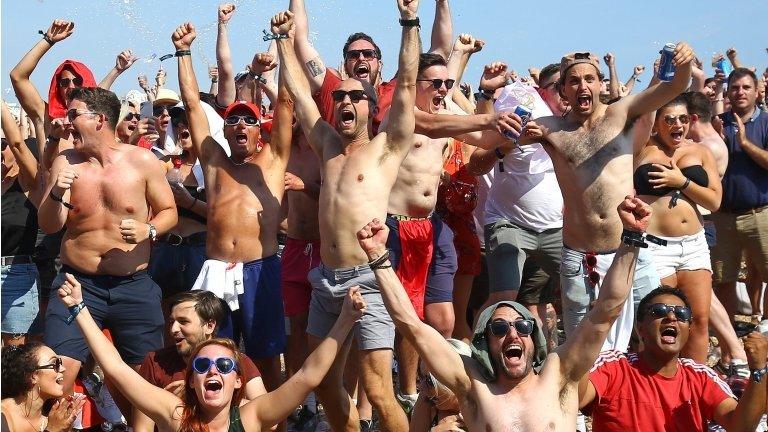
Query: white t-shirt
[526, 193]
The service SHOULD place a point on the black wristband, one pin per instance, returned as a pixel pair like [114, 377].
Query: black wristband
[181, 53]
[498, 153]
[685, 185]
[60, 200]
[633, 238]
[378, 263]
[46, 38]
[410, 22]
[74, 310]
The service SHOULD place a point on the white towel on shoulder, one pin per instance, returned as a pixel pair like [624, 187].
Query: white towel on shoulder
[223, 279]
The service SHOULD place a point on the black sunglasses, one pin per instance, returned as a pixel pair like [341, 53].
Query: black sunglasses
[56, 365]
[437, 83]
[582, 56]
[131, 116]
[234, 120]
[500, 327]
[224, 365]
[354, 95]
[368, 54]
[64, 82]
[661, 310]
[158, 110]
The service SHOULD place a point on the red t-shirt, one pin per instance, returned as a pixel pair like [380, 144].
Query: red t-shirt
[631, 397]
[324, 100]
[165, 366]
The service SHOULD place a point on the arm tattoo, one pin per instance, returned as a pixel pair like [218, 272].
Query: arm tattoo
[315, 67]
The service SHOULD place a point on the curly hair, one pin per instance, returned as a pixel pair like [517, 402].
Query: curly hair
[19, 364]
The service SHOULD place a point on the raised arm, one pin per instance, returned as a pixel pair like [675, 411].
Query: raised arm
[28, 96]
[123, 61]
[639, 69]
[613, 84]
[441, 359]
[580, 351]
[262, 70]
[190, 94]
[442, 30]
[401, 124]
[733, 57]
[157, 403]
[226, 94]
[24, 157]
[275, 406]
[307, 55]
[282, 123]
[314, 127]
[655, 96]
[463, 48]
[745, 415]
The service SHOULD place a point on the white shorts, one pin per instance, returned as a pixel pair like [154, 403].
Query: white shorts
[681, 253]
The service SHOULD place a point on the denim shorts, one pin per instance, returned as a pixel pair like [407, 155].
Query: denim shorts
[20, 303]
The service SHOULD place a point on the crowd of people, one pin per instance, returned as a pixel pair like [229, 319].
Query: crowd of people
[396, 254]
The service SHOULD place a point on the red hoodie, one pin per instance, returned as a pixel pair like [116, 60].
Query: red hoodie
[57, 108]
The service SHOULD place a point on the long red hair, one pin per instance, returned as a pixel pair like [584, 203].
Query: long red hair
[191, 418]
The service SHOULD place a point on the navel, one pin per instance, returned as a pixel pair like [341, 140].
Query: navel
[360, 177]
[417, 145]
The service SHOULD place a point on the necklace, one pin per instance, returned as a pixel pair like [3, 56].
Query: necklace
[40, 428]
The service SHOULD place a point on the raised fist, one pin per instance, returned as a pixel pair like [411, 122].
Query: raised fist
[408, 8]
[263, 62]
[634, 214]
[183, 36]
[609, 58]
[282, 23]
[226, 11]
[494, 76]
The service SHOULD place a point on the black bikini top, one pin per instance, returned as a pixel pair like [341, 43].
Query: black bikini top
[642, 187]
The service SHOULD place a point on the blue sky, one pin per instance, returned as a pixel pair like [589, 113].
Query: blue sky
[633, 30]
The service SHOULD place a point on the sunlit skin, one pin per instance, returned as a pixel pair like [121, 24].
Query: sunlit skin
[81, 128]
[187, 329]
[742, 94]
[48, 380]
[671, 136]
[244, 140]
[360, 67]
[551, 95]
[182, 135]
[352, 119]
[64, 91]
[581, 89]
[214, 397]
[656, 346]
[126, 127]
[710, 91]
[511, 368]
[429, 99]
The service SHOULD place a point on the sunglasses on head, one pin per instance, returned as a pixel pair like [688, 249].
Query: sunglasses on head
[354, 95]
[437, 83]
[672, 120]
[224, 365]
[661, 310]
[73, 113]
[56, 365]
[500, 327]
[234, 120]
[590, 262]
[64, 82]
[368, 54]
[131, 116]
[582, 56]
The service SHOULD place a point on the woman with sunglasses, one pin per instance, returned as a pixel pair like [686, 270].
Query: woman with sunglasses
[213, 384]
[675, 176]
[31, 377]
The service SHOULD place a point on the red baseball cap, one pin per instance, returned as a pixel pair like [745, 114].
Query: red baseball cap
[243, 106]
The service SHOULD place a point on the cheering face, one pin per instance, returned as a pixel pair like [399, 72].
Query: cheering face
[667, 333]
[214, 388]
[352, 108]
[513, 351]
[361, 61]
[548, 91]
[49, 374]
[742, 93]
[581, 88]
[428, 97]
[82, 123]
[128, 123]
[244, 136]
[67, 82]
[187, 330]
[710, 91]
[672, 125]
[181, 132]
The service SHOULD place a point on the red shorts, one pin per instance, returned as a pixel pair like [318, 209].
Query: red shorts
[466, 242]
[411, 243]
[299, 257]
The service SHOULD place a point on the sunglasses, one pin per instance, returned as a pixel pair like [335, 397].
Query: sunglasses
[590, 262]
[354, 95]
[73, 113]
[131, 116]
[158, 110]
[368, 54]
[548, 85]
[234, 120]
[56, 365]
[661, 310]
[582, 56]
[672, 120]
[437, 83]
[224, 365]
[500, 327]
[64, 82]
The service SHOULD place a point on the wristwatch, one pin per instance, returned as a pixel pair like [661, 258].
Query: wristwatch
[152, 233]
[757, 374]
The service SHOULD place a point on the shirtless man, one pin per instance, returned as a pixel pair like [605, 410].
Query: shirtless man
[510, 383]
[244, 193]
[592, 149]
[358, 174]
[113, 200]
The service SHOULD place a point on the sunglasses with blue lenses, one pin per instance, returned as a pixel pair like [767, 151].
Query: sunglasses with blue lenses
[661, 310]
[500, 327]
[224, 365]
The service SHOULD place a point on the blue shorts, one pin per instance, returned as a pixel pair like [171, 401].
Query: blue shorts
[20, 303]
[129, 306]
[260, 320]
[444, 262]
[176, 267]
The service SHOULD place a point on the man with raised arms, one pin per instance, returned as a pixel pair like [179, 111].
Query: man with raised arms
[510, 383]
[244, 194]
[358, 174]
[592, 148]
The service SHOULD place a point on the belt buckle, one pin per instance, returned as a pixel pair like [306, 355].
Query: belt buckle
[172, 239]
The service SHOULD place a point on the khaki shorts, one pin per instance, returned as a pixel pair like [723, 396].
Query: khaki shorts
[736, 233]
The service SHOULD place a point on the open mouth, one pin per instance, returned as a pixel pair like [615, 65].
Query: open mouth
[668, 335]
[362, 70]
[184, 134]
[513, 351]
[213, 385]
[676, 136]
[437, 101]
[60, 380]
[241, 139]
[347, 118]
[584, 101]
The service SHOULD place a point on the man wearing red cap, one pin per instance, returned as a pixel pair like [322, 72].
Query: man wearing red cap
[244, 195]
